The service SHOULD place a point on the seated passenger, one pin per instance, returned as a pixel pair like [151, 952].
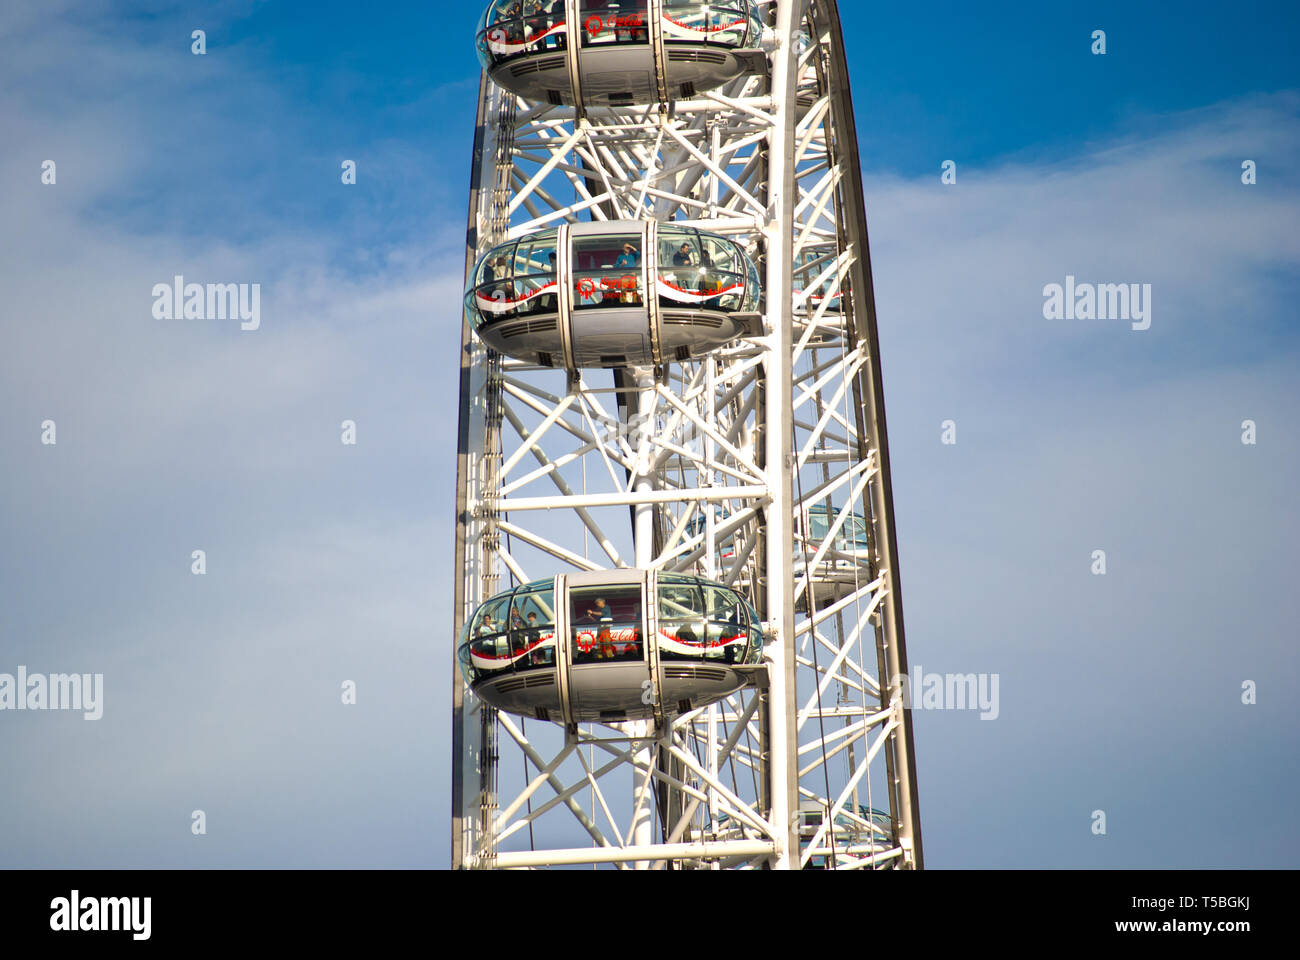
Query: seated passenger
[599, 613]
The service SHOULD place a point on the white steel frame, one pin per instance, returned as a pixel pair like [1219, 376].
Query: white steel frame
[562, 472]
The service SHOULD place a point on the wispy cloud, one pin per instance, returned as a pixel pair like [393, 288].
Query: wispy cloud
[1082, 435]
[329, 562]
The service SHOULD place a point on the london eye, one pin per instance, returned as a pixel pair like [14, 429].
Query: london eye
[678, 638]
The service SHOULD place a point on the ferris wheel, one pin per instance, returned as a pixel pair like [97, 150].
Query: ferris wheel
[679, 633]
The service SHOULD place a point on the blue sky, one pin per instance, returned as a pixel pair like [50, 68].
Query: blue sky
[330, 563]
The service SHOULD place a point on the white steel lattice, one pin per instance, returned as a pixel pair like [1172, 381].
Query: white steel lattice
[763, 466]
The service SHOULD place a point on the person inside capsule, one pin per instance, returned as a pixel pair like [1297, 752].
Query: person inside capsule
[605, 270]
[604, 647]
[498, 269]
[510, 30]
[525, 637]
[516, 623]
[708, 282]
[629, 257]
[508, 18]
[537, 20]
[607, 628]
[599, 612]
[532, 635]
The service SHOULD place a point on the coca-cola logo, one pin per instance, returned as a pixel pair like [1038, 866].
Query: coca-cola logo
[587, 286]
[629, 21]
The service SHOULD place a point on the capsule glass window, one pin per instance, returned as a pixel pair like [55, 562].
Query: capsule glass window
[466, 660]
[682, 621]
[607, 23]
[756, 633]
[515, 279]
[536, 256]
[679, 250]
[489, 642]
[510, 29]
[727, 630]
[494, 294]
[704, 270]
[607, 272]
[854, 532]
[532, 626]
[605, 625]
[730, 23]
[534, 275]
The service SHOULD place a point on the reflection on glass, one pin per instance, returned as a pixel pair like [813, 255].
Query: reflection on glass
[852, 534]
[509, 29]
[696, 271]
[516, 279]
[698, 526]
[607, 272]
[607, 22]
[704, 271]
[605, 624]
[698, 620]
[730, 24]
[512, 29]
[811, 264]
[511, 632]
[702, 621]
[532, 629]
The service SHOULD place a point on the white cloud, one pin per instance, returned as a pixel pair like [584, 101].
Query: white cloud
[325, 559]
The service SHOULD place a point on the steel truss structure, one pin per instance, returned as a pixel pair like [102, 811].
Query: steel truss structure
[709, 467]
